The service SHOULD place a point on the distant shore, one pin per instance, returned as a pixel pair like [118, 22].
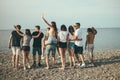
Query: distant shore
[107, 68]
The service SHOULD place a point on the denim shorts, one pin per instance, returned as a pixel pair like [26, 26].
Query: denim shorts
[37, 50]
[50, 49]
[71, 45]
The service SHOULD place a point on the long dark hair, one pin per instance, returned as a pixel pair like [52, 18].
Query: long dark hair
[27, 32]
[63, 28]
[71, 29]
[54, 25]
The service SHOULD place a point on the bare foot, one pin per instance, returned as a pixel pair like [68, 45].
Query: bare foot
[13, 64]
[62, 68]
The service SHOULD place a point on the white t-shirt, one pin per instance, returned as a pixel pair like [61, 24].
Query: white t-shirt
[71, 36]
[78, 33]
[63, 36]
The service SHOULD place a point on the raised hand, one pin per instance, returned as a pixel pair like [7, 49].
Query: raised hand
[42, 15]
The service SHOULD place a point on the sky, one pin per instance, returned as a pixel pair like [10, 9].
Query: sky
[27, 13]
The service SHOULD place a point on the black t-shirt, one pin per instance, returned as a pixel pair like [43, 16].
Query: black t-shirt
[16, 38]
[37, 41]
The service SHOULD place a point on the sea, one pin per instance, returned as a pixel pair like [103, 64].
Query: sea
[105, 39]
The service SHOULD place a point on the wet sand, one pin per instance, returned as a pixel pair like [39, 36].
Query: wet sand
[107, 68]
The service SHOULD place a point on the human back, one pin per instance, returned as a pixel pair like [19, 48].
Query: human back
[78, 33]
[15, 38]
[90, 37]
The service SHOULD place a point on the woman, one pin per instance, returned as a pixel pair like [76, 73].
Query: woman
[51, 42]
[26, 46]
[63, 39]
[45, 38]
[71, 46]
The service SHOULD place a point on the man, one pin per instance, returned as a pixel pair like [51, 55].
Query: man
[78, 44]
[15, 38]
[37, 47]
[89, 45]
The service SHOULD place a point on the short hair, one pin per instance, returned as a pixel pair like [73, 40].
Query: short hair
[63, 28]
[18, 26]
[78, 24]
[89, 30]
[38, 27]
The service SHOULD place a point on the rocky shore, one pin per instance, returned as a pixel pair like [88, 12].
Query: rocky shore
[107, 68]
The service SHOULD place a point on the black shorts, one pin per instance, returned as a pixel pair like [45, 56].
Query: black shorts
[78, 50]
[26, 48]
[62, 44]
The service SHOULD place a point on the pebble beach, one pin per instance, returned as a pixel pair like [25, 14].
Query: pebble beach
[107, 67]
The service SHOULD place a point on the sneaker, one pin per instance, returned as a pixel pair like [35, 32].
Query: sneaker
[39, 65]
[42, 57]
[34, 65]
[24, 68]
[29, 66]
[73, 63]
[77, 64]
[83, 65]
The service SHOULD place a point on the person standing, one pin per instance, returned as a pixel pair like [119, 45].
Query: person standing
[63, 40]
[37, 47]
[71, 46]
[26, 46]
[51, 42]
[89, 45]
[78, 48]
[45, 38]
[14, 44]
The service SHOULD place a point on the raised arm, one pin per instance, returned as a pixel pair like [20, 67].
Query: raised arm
[36, 35]
[20, 33]
[86, 42]
[95, 32]
[9, 41]
[46, 21]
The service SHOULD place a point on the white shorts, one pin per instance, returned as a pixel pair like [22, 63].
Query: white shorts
[16, 50]
[90, 48]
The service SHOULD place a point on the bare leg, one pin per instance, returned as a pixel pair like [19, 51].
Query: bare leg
[61, 55]
[24, 58]
[58, 51]
[27, 59]
[77, 58]
[64, 58]
[39, 58]
[17, 61]
[53, 59]
[13, 60]
[47, 62]
[70, 57]
[73, 56]
[43, 50]
[91, 58]
[82, 58]
[34, 58]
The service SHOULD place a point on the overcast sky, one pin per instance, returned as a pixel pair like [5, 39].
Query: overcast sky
[97, 13]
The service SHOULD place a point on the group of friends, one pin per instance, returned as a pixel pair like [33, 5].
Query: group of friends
[45, 44]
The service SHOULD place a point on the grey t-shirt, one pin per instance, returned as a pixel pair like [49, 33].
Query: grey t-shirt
[26, 40]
